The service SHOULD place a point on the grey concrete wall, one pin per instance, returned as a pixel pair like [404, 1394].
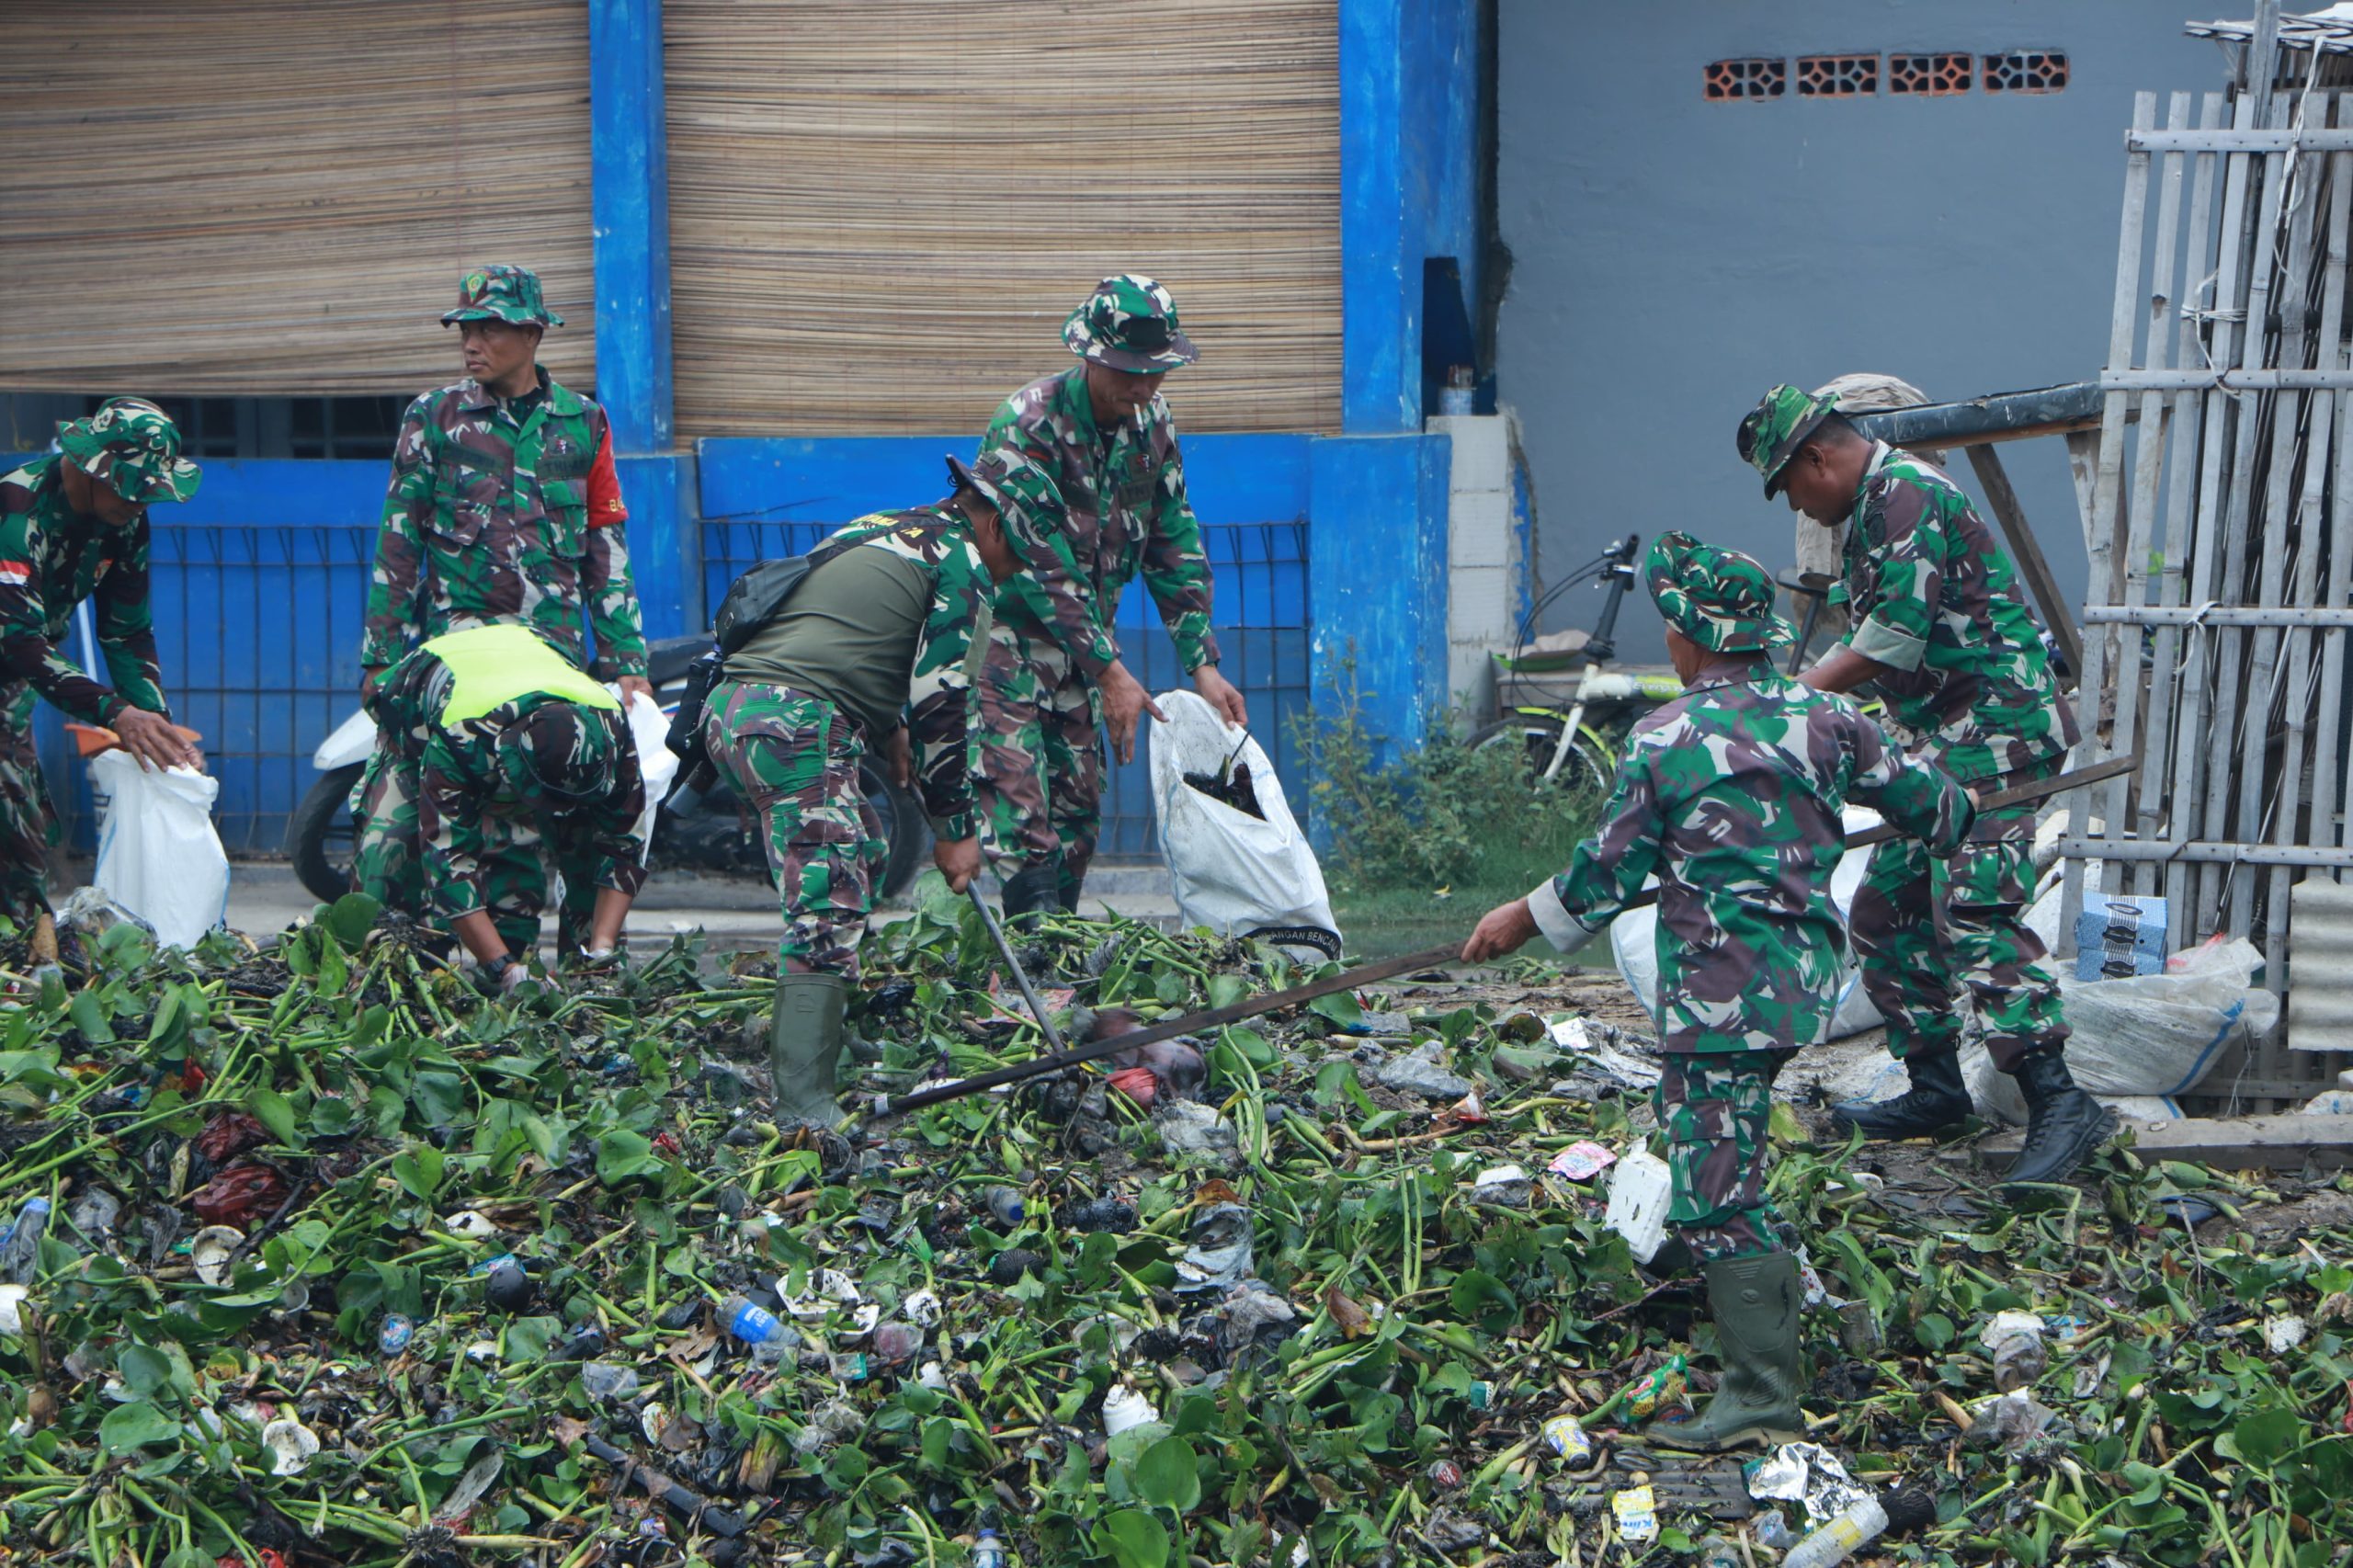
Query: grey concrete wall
[1673, 258]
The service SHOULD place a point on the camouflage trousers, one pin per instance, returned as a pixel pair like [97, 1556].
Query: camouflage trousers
[793, 759]
[27, 821]
[1929, 932]
[1715, 1108]
[388, 856]
[1038, 771]
[516, 864]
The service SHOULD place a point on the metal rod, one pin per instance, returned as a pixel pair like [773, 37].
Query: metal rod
[2227, 379]
[1004, 952]
[1428, 958]
[1233, 1012]
[2219, 615]
[2206, 851]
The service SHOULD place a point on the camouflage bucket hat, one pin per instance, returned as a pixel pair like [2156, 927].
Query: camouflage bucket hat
[566, 752]
[1129, 324]
[1778, 427]
[1012, 483]
[135, 447]
[1719, 599]
[502, 293]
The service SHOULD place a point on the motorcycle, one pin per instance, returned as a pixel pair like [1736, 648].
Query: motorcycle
[709, 832]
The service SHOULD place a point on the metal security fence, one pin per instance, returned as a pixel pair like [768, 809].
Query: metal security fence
[257, 628]
[1261, 619]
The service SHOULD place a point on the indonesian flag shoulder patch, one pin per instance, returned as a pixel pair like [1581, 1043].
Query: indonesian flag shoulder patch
[16, 573]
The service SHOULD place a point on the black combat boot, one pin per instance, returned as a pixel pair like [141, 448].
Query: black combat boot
[1030, 893]
[1936, 1103]
[2064, 1124]
[1068, 890]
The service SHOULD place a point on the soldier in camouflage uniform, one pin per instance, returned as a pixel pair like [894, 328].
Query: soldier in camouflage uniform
[1114, 507]
[891, 615]
[503, 508]
[74, 526]
[523, 762]
[1732, 794]
[1941, 638]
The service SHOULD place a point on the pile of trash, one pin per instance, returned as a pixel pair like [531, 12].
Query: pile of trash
[315, 1257]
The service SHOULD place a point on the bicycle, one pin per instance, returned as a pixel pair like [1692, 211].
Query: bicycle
[1574, 745]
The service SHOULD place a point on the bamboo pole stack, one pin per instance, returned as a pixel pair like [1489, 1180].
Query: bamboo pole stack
[264, 198]
[2216, 608]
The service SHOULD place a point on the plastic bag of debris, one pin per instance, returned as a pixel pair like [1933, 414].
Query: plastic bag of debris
[158, 856]
[649, 730]
[1238, 872]
[2136, 1042]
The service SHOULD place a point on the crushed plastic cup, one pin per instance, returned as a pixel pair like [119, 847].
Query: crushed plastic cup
[1504, 1187]
[1565, 1436]
[1773, 1532]
[291, 1445]
[2013, 1340]
[1124, 1408]
[209, 1250]
[606, 1381]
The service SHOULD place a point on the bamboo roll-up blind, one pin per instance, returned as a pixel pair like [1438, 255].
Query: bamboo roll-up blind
[277, 197]
[881, 210]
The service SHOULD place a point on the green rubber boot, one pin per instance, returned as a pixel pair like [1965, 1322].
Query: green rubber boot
[1754, 1301]
[805, 1046]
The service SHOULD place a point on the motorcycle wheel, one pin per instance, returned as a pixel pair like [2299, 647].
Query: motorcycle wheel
[321, 837]
[903, 828]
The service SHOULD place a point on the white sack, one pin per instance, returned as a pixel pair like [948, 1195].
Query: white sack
[649, 730]
[1633, 941]
[2147, 1034]
[158, 855]
[1232, 872]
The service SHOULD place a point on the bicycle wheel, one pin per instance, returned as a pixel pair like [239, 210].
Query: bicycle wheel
[1536, 739]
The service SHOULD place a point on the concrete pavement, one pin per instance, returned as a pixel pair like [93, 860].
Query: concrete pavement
[732, 913]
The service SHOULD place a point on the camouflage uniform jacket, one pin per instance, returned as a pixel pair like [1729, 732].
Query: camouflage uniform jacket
[51, 559]
[1934, 599]
[1117, 508]
[1731, 793]
[497, 514]
[463, 779]
[953, 636]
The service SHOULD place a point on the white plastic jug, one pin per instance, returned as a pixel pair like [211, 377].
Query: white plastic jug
[1638, 1191]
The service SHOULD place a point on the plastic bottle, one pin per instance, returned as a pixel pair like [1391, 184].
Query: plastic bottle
[21, 1252]
[1004, 1205]
[988, 1551]
[606, 1381]
[1859, 1522]
[752, 1324]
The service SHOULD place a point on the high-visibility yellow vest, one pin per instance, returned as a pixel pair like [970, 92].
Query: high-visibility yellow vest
[489, 665]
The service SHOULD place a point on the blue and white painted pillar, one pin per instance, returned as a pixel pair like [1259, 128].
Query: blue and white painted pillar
[630, 204]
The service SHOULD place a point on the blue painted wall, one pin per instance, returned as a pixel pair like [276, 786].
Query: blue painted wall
[1409, 105]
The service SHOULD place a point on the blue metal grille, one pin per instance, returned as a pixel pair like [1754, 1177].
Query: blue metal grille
[1261, 619]
[257, 628]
